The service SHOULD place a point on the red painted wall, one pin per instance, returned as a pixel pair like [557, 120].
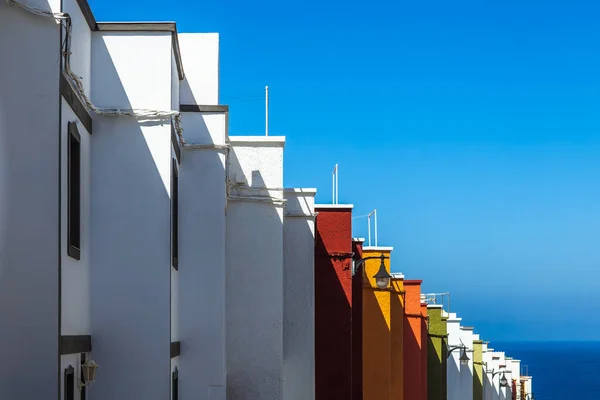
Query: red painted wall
[413, 341]
[424, 338]
[333, 304]
[357, 324]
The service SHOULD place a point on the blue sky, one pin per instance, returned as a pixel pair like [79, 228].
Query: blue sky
[476, 124]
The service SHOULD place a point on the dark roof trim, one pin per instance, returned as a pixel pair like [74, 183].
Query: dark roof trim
[87, 14]
[175, 349]
[75, 344]
[203, 108]
[73, 100]
[148, 27]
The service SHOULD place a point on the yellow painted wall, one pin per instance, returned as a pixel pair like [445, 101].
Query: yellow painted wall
[397, 338]
[377, 349]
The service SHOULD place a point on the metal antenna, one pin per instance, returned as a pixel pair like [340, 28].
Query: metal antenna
[266, 111]
[334, 185]
[372, 214]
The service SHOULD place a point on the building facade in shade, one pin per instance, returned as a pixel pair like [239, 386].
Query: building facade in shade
[357, 320]
[477, 368]
[414, 347]
[377, 349]
[437, 351]
[208, 247]
[397, 304]
[333, 301]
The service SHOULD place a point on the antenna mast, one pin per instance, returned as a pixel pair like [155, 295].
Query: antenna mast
[266, 111]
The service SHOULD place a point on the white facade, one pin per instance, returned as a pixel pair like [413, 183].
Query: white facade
[254, 284]
[202, 226]
[299, 295]
[459, 377]
[466, 371]
[453, 365]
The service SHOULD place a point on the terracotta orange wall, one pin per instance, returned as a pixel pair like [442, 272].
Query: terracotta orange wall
[377, 349]
[413, 341]
[397, 339]
[424, 336]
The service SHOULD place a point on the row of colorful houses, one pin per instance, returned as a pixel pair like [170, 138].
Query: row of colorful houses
[147, 254]
[400, 342]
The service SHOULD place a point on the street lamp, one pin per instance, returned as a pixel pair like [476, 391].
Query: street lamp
[529, 396]
[382, 277]
[464, 358]
[503, 380]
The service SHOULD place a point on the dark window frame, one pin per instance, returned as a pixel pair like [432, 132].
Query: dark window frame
[69, 383]
[174, 215]
[83, 393]
[175, 385]
[74, 192]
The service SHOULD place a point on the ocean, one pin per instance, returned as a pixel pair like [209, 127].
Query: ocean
[560, 370]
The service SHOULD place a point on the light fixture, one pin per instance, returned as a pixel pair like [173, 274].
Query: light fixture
[382, 277]
[464, 358]
[88, 370]
[503, 380]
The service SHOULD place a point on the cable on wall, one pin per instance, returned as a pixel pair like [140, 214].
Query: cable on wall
[140, 113]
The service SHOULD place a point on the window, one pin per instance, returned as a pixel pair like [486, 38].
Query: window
[83, 395]
[74, 192]
[174, 215]
[69, 383]
[175, 385]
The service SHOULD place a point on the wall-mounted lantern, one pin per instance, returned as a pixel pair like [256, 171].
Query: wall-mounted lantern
[88, 371]
[464, 358]
[382, 277]
[503, 380]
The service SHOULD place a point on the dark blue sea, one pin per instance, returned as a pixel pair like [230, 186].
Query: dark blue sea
[560, 370]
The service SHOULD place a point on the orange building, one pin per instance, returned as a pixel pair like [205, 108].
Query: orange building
[415, 345]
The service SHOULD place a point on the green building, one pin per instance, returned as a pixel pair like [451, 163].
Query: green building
[437, 351]
[478, 370]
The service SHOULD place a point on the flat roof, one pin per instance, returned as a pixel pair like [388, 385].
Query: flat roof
[146, 27]
[279, 140]
[301, 190]
[334, 206]
[378, 248]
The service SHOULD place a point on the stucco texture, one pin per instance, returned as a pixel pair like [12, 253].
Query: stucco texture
[477, 370]
[397, 338]
[413, 345]
[333, 303]
[377, 344]
[436, 355]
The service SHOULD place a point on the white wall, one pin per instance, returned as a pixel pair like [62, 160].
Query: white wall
[200, 56]
[131, 164]
[202, 226]
[453, 367]
[29, 202]
[254, 283]
[299, 296]
[202, 259]
[75, 274]
[466, 371]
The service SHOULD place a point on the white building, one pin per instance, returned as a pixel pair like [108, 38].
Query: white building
[180, 261]
[460, 343]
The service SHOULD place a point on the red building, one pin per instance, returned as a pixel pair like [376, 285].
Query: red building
[333, 302]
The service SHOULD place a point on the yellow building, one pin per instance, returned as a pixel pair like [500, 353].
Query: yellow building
[383, 316]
